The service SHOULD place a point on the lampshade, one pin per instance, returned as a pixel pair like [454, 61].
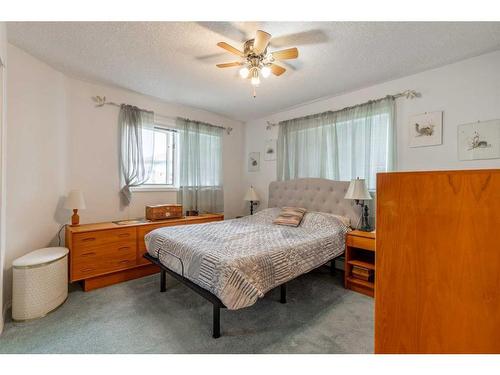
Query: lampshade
[75, 200]
[251, 195]
[357, 190]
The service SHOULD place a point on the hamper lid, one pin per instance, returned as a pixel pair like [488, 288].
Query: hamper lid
[41, 256]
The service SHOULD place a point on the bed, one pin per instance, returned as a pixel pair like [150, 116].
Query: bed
[235, 262]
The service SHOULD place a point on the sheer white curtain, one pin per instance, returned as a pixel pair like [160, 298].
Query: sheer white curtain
[200, 175]
[136, 148]
[354, 142]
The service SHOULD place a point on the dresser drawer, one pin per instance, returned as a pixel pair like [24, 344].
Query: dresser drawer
[103, 259]
[99, 238]
[96, 252]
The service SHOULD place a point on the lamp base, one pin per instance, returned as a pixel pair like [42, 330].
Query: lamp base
[75, 219]
[365, 226]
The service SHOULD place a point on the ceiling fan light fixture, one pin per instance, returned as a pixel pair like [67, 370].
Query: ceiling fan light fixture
[255, 77]
[257, 60]
[244, 72]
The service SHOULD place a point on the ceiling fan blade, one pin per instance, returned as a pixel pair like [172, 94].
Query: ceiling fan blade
[277, 70]
[228, 65]
[261, 41]
[286, 54]
[231, 49]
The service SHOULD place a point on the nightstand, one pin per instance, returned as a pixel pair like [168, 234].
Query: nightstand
[360, 262]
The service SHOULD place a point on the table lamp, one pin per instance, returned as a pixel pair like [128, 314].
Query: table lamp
[74, 201]
[252, 197]
[357, 190]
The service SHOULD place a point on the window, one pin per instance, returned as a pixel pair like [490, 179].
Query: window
[164, 165]
[342, 145]
[363, 150]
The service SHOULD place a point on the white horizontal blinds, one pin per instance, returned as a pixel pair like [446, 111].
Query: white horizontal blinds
[200, 163]
[354, 142]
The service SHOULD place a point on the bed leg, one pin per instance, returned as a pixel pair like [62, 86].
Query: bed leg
[216, 322]
[283, 293]
[163, 281]
[332, 267]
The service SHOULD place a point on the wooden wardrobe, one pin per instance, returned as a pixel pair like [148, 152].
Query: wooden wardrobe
[438, 262]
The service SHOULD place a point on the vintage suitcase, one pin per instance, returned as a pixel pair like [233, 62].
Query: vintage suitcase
[164, 211]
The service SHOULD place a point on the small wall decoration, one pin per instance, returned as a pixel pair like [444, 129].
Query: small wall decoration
[253, 161]
[270, 153]
[426, 129]
[480, 140]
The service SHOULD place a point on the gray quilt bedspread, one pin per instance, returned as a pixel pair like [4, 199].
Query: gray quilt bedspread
[240, 260]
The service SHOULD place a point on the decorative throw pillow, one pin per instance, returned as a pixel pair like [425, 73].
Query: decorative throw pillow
[291, 216]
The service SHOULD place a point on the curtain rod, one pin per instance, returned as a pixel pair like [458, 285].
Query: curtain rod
[101, 101]
[408, 94]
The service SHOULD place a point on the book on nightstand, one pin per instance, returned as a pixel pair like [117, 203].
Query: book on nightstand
[361, 273]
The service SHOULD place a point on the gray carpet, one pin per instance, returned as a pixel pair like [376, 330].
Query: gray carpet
[133, 317]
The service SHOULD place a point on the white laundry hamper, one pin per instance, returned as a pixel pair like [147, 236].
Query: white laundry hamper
[40, 283]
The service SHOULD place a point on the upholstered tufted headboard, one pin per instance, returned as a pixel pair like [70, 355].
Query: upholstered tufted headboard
[314, 194]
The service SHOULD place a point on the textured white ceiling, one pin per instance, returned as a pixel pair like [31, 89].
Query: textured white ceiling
[175, 61]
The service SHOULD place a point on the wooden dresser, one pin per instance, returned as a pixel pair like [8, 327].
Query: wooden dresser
[438, 262]
[107, 253]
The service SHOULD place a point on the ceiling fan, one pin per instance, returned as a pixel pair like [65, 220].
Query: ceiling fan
[257, 61]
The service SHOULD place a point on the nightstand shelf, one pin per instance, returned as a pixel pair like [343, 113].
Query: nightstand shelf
[366, 284]
[360, 254]
[360, 263]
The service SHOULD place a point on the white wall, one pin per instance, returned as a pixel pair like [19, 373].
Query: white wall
[36, 155]
[466, 91]
[58, 140]
[3, 122]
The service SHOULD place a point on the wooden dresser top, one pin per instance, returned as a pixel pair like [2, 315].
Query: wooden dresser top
[111, 225]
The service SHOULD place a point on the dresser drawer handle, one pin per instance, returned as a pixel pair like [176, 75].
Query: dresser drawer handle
[124, 235]
[88, 254]
[88, 239]
[88, 269]
[124, 248]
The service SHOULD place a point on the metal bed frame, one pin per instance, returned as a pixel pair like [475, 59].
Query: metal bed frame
[216, 302]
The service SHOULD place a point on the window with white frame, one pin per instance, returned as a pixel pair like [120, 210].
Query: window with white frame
[164, 169]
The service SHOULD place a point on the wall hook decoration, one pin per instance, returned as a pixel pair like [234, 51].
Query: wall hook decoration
[99, 100]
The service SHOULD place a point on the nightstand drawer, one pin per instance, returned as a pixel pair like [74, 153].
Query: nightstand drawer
[360, 242]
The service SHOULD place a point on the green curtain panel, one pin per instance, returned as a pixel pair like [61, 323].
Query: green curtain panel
[200, 175]
[136, 148]
[354, 142]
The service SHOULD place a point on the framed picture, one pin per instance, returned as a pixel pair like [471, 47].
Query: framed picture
[253, 161]
[270, 153]
[426, 129]
[480, 140]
